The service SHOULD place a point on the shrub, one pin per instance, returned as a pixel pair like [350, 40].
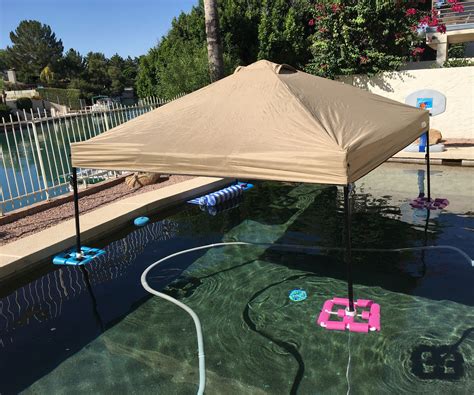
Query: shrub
[458, 63]
[24, 103]
[4, 111]
[68, 97]
[366, 36]
[456, 50]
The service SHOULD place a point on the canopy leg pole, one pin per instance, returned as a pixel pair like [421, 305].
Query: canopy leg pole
[427, 158]
[348, 247]
[76, 214]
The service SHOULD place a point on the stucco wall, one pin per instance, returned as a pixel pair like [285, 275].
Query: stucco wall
[456, 83]
[13, 95]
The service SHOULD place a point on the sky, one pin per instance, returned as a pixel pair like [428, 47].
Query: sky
[126, 27]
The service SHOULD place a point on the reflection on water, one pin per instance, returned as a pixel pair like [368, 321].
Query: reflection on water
[442, 362]
[113, 338]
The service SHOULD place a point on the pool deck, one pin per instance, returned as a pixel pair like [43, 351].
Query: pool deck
[462, 155]
[25, 253]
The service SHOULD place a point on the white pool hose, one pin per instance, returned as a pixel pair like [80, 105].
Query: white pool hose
[197, 323]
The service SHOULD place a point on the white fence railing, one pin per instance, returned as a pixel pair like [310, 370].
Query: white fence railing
[35, 150]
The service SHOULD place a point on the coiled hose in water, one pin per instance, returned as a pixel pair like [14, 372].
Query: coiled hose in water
[197, 323]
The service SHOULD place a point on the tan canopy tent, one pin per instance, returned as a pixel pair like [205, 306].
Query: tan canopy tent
[265, 121]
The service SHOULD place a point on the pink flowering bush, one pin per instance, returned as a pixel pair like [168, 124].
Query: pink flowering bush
[368, 36]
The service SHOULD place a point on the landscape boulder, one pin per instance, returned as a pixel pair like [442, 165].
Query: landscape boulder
[435, 137]
[138, 180]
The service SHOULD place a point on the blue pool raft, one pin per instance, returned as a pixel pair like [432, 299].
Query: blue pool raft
[223, 195]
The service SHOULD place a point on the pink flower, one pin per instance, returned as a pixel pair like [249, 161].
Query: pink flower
[457, 8]
[441, 28]
[322, 30]
[311, 22]
[363, 59]
[425, 20]
[410, 11]
[417, 51]
[336, 8]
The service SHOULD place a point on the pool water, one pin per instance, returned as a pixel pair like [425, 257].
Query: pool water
[94, 329]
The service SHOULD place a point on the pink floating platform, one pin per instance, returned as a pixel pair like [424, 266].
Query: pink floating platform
[372, 315]
[424, 202]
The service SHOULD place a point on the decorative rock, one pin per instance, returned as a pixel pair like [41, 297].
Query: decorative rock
[435, 137]
[138, 180]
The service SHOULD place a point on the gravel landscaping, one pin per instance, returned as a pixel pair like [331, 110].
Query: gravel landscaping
[39, 221]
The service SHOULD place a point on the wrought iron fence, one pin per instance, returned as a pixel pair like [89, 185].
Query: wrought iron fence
[35, 149]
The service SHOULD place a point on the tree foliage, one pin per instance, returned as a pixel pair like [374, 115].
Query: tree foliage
[281, 32]
[35, 46]
[3, 59]
[71, 65]
[37, 55]
[324, 37]
[47, 75]
[178, 63]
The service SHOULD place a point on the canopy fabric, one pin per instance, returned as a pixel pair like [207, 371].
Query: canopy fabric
[265, 121]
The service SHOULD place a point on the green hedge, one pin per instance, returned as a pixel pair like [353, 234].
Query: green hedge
[24, 103]
[4, 111]
[458, 63]
[67, 97]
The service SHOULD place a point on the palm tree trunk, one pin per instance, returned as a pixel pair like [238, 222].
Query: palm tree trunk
[214, 48]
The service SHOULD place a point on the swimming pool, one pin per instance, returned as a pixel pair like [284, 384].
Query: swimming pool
[94, 329]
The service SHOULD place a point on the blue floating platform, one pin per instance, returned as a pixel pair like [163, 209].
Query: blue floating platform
[222, 195]
[69, 257]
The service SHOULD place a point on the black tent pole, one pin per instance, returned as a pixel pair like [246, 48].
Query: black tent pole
[427, 158]
[348, 247]
[76, 214]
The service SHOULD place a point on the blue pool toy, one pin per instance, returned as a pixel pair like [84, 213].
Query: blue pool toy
[297, 295]
[223, 195]
[70, 257]
[141, 221]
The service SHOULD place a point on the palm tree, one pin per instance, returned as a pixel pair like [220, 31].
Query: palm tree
[214, 48]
